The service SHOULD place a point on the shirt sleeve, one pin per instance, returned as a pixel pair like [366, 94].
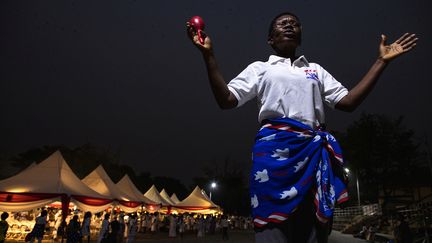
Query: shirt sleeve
[244, 86]
[333, 91]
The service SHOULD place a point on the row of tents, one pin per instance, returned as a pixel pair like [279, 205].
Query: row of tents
[53, 180]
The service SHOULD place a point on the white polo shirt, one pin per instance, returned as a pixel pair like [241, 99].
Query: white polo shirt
[296, 90]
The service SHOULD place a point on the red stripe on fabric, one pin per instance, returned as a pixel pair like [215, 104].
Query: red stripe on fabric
[284, 172]
[289, 128]
[277, 126]
[337, 156]
[316, 200]
[273, 220]
[259, 225]
[321, 215]
[343, 200]
[261, 218]
[342, 192]
[305, 181]
[280, 214]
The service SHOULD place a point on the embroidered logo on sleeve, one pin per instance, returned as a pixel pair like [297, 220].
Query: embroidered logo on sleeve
[312, 74]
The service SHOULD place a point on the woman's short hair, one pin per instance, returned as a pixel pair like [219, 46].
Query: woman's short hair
[271, 26]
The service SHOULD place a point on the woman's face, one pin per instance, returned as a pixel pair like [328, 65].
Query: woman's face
[286, 32]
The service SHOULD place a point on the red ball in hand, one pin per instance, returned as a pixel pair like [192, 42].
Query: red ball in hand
[197, 22]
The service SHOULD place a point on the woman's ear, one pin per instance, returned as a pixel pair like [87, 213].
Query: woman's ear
[270, 41]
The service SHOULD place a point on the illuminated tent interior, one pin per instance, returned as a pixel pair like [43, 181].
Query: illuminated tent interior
[154, 195]
[128, 187]
[198, 202]
[99, 181]
[52, 180]
[46, 182]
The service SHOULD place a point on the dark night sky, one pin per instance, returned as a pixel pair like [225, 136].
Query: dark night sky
[123, 73]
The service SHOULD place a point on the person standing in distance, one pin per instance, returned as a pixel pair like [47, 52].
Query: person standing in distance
[4, 226]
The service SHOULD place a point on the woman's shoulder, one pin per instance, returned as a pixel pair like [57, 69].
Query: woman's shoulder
[257, 64]
[314, 65]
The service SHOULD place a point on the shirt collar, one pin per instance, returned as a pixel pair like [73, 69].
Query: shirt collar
[299, 62]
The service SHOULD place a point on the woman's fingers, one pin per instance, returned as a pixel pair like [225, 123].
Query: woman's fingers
[402, 38]
[407, 39]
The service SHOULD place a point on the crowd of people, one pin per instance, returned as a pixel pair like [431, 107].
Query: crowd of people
[396, 230]
[201, 225]
[116, 226]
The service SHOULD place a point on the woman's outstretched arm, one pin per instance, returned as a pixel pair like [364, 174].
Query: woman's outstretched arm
[386, 54]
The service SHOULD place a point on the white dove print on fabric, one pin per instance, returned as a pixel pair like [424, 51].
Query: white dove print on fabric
[324, 167]
[318, 178]
[254, 201]
[330, 137]
[300, 164]
[261, 176]
[289, 194]
[284, 150]
[303, 135]
[281, 154]
[268, 138]
[332, 195]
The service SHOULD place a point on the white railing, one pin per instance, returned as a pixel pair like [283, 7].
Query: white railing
[371, 209]
[347, 216]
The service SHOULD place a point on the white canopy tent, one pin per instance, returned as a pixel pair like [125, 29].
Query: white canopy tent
[46, 182]
[197, 202]
[128, 187]
[166, 197]
[174, 198]
[99, 181]
[154, 195]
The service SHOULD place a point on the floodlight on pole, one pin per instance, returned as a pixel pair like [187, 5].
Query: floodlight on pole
[213, 185]
[357, 184]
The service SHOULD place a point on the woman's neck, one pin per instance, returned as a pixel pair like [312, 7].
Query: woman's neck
[287, 54]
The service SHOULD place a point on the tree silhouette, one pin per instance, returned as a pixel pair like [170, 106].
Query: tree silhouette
[383, 154]
[232, 193]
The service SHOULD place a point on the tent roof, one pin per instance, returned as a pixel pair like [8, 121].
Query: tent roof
[127, 186]
[53, 175]
[30, 166]
[197, 199]
[174, 198]
[166, 197]
[154, 195]
[100, 181]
